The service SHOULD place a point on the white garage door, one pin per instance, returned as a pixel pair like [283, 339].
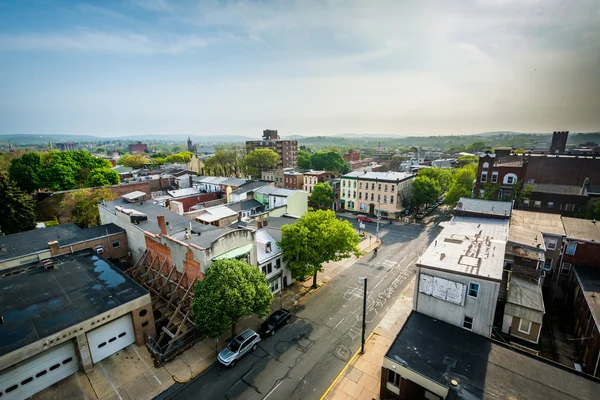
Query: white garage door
[37, 373]
[110, 338]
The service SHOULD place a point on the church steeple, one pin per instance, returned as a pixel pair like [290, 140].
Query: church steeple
[191, 147]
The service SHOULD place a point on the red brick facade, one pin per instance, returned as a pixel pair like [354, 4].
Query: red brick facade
[191, 267]
[589, 347]
[201, 198]
[563, 170]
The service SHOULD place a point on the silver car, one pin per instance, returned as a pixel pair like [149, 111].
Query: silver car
[239, 347]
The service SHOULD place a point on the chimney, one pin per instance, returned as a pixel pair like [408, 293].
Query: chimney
[53, 245]
[162, 224]
[259, 224]
[559, 142]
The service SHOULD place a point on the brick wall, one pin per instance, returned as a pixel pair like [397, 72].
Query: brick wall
[143, 324]
[585, 254]
[199, 199]
[106, 242]
[588, 349]
[191, 267]
[563, 170]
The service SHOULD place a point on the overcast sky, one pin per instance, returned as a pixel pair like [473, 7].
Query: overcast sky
[304, 67]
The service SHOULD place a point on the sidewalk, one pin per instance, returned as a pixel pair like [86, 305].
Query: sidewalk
[130, 373]
[361, 378]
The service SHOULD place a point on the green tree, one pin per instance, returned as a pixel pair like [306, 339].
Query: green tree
[231, 289]
[521, 193]
[17, 213]
[490, 191]
[462, 184]
[83, 205]
[317, 237]
[322, 194]
[466, 160]
[330, 161]
[477, 146]
[103, 177]
[260, 160]
[424, 191]
[25, 171]
[443, 177]
[304, 159]
[592, 211]
[133, 161]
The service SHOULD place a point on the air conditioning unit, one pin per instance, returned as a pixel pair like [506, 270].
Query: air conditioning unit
[99, 249]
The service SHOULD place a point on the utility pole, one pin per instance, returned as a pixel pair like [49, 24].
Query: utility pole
[364, 321]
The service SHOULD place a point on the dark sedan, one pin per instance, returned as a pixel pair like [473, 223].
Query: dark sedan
[275, 321]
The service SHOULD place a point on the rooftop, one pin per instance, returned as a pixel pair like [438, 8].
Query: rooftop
[283, 192]
[558, 189]
[35, 241]
[472, 246]
[176, 224]
[389, 176]
[263, 236]
[545, 223]
[234, 182]
[525, 300]
[252, 185]
[244, 205]
[183, 192]
[589, 279]
[37, 303]
[509, 161]
[484, 369]
[502, 208]
[216, 213]
[533, 240]
[581, 229]
[134, 195]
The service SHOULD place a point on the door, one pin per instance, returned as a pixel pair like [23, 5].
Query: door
[38, 372]
[284, 282]
[110, 338]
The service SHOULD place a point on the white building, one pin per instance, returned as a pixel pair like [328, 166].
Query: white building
[460, 273]
[270, 259]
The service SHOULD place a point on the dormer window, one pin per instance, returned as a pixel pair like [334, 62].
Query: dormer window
[268, 247]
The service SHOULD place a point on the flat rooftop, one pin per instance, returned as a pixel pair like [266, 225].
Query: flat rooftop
[389, 176]
[484, 369]
[526, 243]
[582, 229]
[37, 303]
[545, 223]
[558, 189]
[491, 207]
[589, 279]
[525, 300]
[36, 240]
[471, 246]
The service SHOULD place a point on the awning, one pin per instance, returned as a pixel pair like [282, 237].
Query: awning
[235, 253]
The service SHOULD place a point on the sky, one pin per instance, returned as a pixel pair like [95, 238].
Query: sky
[304, 67]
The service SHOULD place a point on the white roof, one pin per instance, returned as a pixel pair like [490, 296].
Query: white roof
[216, 181]
[473, 246]
[262, 236]
[133, 195]
[390, 176]
[283, 192]
[183, 192]
[216, 213]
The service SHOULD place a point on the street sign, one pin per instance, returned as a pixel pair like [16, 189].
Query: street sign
[361, 225]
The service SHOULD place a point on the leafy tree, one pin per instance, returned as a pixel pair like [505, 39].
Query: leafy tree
[490, 191]
[462, 184]
[133, 161]
[424, 191]
[316, 238]
[25, 171]
[521, 193]
[477, 146]
[322, 194]
[592, 211]
[103, 177]
[180, 158]
[83, 205]
[159, 155]
[225, 163]
[260, 160]
[330, 161]
[17, 213]
[304, 159]
[231, 289]
[465, 160]
[442, 177]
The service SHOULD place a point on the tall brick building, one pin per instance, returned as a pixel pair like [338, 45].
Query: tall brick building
[286, 149]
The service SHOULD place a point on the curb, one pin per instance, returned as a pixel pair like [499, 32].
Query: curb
[337, 378]
[176, 379]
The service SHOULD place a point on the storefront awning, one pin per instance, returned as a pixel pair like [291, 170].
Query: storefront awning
[235, 253]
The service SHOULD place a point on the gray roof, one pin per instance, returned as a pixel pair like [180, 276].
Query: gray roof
[244, 205]
[389, 176]
[525, 300]
[234, 182]
[582, 229]
[558, 189]
[440, 352]
[589, 279]
[37, 303]
[176, 223]
[35, 241]
[543, 222]
[492, 207]
[253, 185]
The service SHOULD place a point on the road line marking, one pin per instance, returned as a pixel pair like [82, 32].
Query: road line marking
[272, 390]
[147, 366]
[110, 381]
[81, 387]
[343, 319]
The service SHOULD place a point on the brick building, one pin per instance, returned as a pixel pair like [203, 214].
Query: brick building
[502, 169]
[286, 149]
[311, 178]
[293, 180]
[138, 147]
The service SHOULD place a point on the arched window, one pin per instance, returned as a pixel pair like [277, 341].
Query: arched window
[509, 179]
[486, 165]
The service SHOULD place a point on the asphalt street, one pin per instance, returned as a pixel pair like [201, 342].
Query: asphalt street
[302, 359]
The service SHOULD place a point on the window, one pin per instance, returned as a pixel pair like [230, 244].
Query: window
[494, 177]
[372, 186]
[392, 188]
[473, 289]
[550, 204]
[551, 243]
[264, 269]
[274, 285]
[566, 269]
[344, 183]
[468, 323]
[378, 198]
[547, 264]
[485, 165]
[484, 177]
[385, 198]
[526, 203]
[571, 248]
[385, 187]
[537, 204]
[576, 207]
[278, 263]
[354, 194]
[269, 268]
[524, 326]
[360, 185]
[116, 244]
[268, 247]
[372, 196]
[359, 195]
[509, 179]
[379, 186]
[392, 199]
[393, 378]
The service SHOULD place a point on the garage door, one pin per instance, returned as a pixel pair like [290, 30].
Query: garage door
[37, 373]
[110, 338]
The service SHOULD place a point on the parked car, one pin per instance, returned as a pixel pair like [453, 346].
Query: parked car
[363, 218]
[275, 321]
[241, 345]
[420, 215]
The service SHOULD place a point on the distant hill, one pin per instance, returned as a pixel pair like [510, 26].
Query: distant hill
[24, 139]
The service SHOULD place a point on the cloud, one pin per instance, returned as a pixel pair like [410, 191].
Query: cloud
[102, 42]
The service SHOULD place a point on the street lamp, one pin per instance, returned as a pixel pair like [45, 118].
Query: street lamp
[364, 322]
